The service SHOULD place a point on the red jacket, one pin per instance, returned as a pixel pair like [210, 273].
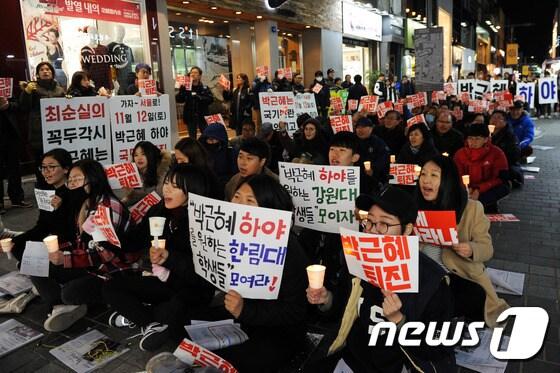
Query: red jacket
[483, 165]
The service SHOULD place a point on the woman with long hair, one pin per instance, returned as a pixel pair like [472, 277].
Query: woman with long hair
[80, 85]
[241, 102]
[310, 148]
[419, 147]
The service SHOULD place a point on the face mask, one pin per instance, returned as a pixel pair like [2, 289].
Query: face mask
[318, 78]
[213, 147]
[77, 196]
[430, 118]
[280, 76]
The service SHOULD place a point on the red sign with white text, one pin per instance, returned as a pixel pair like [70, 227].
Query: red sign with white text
[192, 354]
[336, 104]
[417, 100]
[147, 87]
[123, 175]
[139, 210]
[369, 103]
[102, 221]
[437, 227]
[403, 174]
[6, 85]
[341, 123]
[101, 10]
[416, 119]
[216, 118]
[383, 108]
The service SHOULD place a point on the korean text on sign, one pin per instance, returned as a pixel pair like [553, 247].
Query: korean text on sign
[135, 119]
[278, 107]
[80, 125]
[102, 221]
[368, 103]
[323, 196]
[437, 228]
[138, 210]
[384, 108]
[305, 104]
[403, 174]
[192, 354]
[239, 247]
[147, 87]
[417, 100]
[215, 118]
[262, 71]
[388, 262]
[6, 86]
[123, 175]
[416, 119]
[341, 123]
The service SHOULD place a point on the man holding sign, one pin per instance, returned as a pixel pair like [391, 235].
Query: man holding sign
[389, 221]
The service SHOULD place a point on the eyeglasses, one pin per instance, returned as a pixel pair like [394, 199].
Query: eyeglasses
[380, 227]
[48, 168]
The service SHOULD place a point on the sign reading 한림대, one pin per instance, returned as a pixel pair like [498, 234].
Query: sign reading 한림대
[323, 196]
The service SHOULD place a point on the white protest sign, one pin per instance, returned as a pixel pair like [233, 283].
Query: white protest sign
[123, 175]
[323, 196]
[467, 86]
[35, 260]
[480, 88]
[548, 91]
[81, 125]
[498, 85]
[305, 104]
[239, 247]
[527, 91]
[388, 262]
[44, 198]
[278, 107]
[135, 119]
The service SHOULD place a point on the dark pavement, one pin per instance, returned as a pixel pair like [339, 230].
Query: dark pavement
[529, 246]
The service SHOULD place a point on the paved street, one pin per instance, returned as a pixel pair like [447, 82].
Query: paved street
[530, 246]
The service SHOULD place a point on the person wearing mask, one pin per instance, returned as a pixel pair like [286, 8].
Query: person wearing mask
[372, 149]
[486, 166]
[380, 88]
[523, 127]
[241, 103]
[392, 131]
[504, 138]
[297, 84]
[197, 101]
[248, 130]
[446, 138]
[322, 98]
[80, 86]
[406, 88]
[361, 305]
[419, 147]
[440, 188]
[280, 83]
[310, 148]
[430, 115]
[221, 155]
[347, 83]
[357, 90]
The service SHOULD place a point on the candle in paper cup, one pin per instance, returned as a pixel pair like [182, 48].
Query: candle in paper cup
[160, 243]
[52, 243]
[367, 165]
[362, 214]
[445, 154]
[466, 179]
[156, 226]
[393, 158]
[417, 170]
[316, 274]
[6, 244]
[491, 128]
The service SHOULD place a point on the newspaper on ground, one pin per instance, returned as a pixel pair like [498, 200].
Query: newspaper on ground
[479, 358]
[215, 335]
[88, 352]
[14, 335]
[531, 169]
[15, 283]
[542, 147]
[531, 159]
[507, 282]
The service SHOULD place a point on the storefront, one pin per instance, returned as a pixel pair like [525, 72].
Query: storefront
[409, 59]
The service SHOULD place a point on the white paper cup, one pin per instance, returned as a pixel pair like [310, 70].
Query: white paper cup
[445, 154]
[6, 244]
[161, 243]
[491, 128]
[156, 226]
[316, 275]
[466, 179]
[367, 165]
[393, 159]
[52, 243]
[362, 214]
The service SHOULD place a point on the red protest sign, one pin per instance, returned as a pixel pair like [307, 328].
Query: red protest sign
[262, 71]
[286, 73]
[399, 106]
[216, 118]
[123, 175]
[6, 86]
[317, 88]
[341, 123]
[369, 103]
[139, 210]
[147, 87]
[417, 100]
[502, 218]
[438, 96]
[478, 106]
[224, 82]
[192, 354]
[416, 119]
[336, 104]
[102, 221]
[383, 108]
[450, 89]
[352, 105]
[403, 174]
[388, 262]
[437, 227]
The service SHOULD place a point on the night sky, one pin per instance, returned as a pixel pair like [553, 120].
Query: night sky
[534, 40]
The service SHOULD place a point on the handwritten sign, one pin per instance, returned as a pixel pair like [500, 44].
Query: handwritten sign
[305, 104]
[416, 119]
[123, 175]
[437, 228]
[35, 260]
[353, 105]
[139, 210]
[323, 195]
[368, 103]
[195, 355]
[239, 247]
[215, 118]
[44, 198]
[103, 224]
[6, 87]
[388, 262]
[147, 87]
[277, 107]
[403, 174]
[383, 108]
[341, 123]
[417, 100]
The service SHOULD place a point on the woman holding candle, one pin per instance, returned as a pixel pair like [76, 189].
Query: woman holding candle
[439, 188]
[174, 287]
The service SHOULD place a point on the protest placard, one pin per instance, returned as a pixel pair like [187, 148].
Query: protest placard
[214, 118]
[416, 100]
[466, 86]
[44, 198]
[526, 91]
[135, 119]
[277, 107]
[194, 355]
[286, 73]
[498, 85]
[436, 228]
[341, 123]
[416, 119]
[353, 105]
[548, 90]
[262, 71]
[305, 104]
[368, 104]
[480, 88]
[183, 80]
[224, 82]
[323, 196]
[6, 87]
[239, 247]
[123, 175]
[403, 174]
[101, 219]
[450, 89]
[336, 104]
[35, 260]
[477, 106]
[388, 262]
[399, 106]
[147, 87]
[138, 210]
[317, 88]
[81, 125]
[438, 96]
[383, 108]
[502, 218]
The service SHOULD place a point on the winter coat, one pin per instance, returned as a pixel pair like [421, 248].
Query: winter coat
[81, 91]
[406, 89]
[323, 98]
[448, 142]
[374, 150]
[357, 91]
[196, 106]
[281, 85]
[318, 148]
[240, 109]
[486, 166]
[394, 138]
[224, 163]
[426, 152]
[524, 129]
[257, 88]
[506, 140]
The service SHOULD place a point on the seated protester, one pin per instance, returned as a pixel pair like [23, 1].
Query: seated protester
[281, 318]
[469, 118]
[371, 148]
[252, 160]
[143, 71]
[504, 138]
[431, 114]
[419, 147]
[272, 138]
[159, 304]
[221, 155]
[83, 266]
[152, 165]
[440, 188]
[189, 150]
[55, 166]
[80, 86]
[310, 148]
[392, 131]
[523, 127]
[446, 138]
[487, 166]
[248, 130]
[362, 305]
